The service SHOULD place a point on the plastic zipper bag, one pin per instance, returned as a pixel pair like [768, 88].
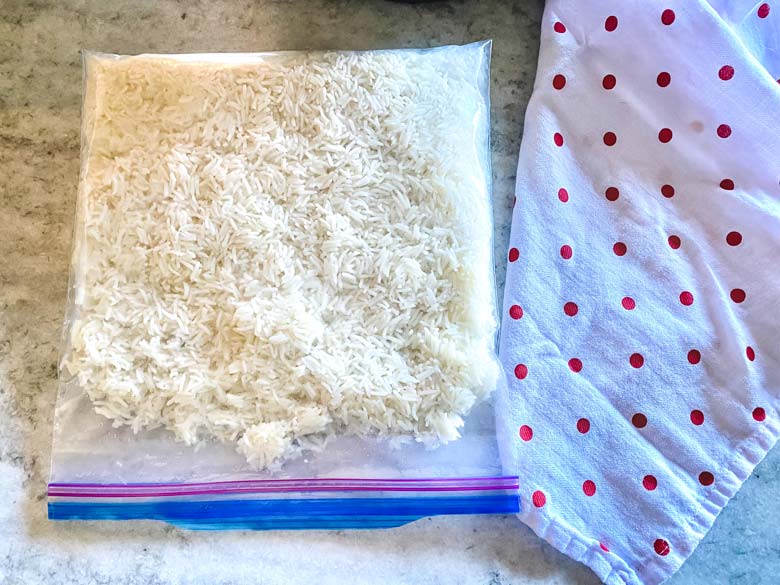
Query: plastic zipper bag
[281, 310]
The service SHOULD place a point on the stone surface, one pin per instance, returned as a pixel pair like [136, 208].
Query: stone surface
[40, 85]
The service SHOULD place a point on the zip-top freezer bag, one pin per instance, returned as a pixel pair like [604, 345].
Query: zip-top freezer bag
[282, 306]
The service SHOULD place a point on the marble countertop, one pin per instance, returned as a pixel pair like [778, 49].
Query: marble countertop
[40, 85]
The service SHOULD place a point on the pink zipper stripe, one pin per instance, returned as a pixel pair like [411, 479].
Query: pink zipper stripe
[251, 490]
[356, 480]
[281, 486]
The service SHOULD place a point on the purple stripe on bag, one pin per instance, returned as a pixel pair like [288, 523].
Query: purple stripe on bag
[303, 480]
[283, 486]
[252, 490]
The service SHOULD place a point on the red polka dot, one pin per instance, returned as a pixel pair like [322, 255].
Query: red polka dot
[636, 360]
[706, 478]
[724, 130]
[559, 81]
[521, 371]
[603, 547]
[649, 482]
[674, 242]
[516, 312]
[628, 303]
[667, 16]
[667, 191]
[514, 254]
[738, 295]
[620, 249]
[571, 309]
[575, 365]
[686, 298]
[694, 356]
[563, 195]
[538, 498]
[726, 72]
[665, 135]
[611, 23]
[589, 488]
[566, 252]
[609, 81]
[759, 414]
[558, 138]
[663, 79]
[610, 138]
[763, 10]
[559, 27]
[583, 425]
[734, 238]
[612, 193]
[697, 417]
[750, 353]
[661, 547]
[639, 420]
[526, 433]
[727, 185]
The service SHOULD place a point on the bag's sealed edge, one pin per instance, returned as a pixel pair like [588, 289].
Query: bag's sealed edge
[286, 504]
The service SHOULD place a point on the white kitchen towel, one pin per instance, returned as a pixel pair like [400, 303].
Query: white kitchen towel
[641, 328]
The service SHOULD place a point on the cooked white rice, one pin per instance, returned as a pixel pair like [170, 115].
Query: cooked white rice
[274, 251]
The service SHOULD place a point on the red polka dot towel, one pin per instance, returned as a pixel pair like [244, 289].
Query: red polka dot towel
[641, 332]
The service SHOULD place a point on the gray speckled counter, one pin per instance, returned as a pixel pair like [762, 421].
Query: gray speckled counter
[40, 84]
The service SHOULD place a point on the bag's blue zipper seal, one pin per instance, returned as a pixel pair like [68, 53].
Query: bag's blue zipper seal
[298, 513]
[335, 503]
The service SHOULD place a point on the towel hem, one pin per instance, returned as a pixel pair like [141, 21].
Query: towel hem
[652, 570]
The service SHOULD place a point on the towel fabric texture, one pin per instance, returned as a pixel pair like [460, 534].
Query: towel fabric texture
[641, 319]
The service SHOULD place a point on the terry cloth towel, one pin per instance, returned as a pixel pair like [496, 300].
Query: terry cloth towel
[641, 320]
